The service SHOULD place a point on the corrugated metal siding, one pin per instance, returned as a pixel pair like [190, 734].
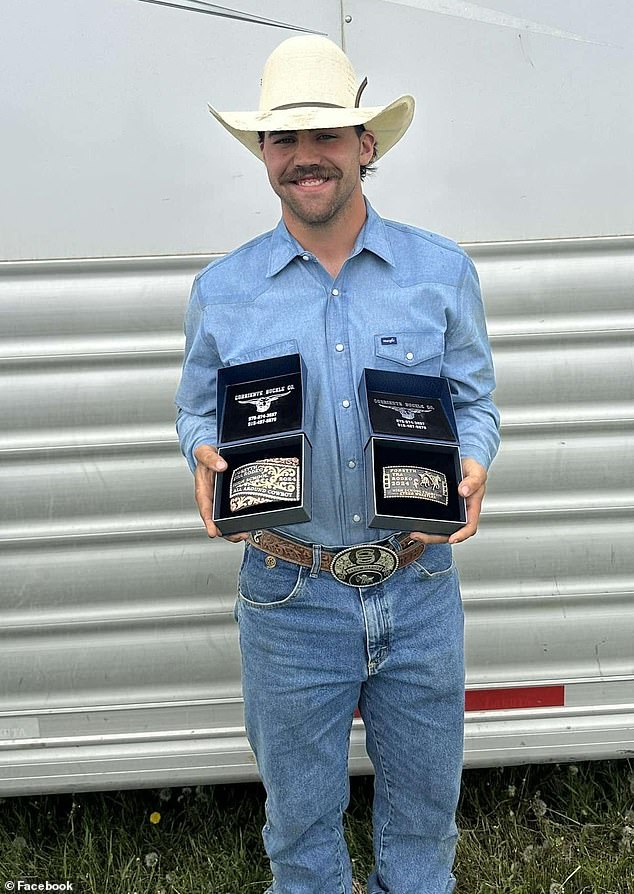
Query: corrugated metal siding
[117, 628]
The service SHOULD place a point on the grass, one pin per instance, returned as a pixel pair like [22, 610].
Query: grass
[547, 829]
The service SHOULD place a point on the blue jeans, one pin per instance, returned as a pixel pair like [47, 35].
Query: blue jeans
[312, 650]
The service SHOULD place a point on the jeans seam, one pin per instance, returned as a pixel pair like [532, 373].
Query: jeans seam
[366, 628]
[379, 856]
[343, 851]
[384, 610]
[341, 844]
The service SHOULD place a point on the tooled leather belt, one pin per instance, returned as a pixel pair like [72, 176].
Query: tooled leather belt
[363, 565]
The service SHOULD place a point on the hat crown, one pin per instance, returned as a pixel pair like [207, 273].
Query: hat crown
[309, 70]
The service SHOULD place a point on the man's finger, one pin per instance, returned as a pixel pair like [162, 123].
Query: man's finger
[204, 508]
[464, 533]
[208, 456]
[204, 478]
[469, 485]
[474, 477]
[427, 539]
[212, 530]
[474, 506]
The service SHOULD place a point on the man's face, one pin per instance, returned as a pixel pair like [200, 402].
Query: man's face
[316, 172]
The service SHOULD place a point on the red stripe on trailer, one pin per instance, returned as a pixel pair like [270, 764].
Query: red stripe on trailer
[515, 697]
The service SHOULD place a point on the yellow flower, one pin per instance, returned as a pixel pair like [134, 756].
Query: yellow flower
[155, 817]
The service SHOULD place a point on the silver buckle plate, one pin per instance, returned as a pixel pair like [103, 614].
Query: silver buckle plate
[364, 565]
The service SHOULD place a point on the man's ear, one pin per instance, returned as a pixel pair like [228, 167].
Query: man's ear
[366, 148]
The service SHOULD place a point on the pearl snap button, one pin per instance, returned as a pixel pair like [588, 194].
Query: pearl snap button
[409, 355]
[356, 518]
[352, 464]
[335, 292]
[339, 347]
[345, 403]
[305, 257]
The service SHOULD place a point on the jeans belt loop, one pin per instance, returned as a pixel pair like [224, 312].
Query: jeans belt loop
[395, 543]
[316, 566]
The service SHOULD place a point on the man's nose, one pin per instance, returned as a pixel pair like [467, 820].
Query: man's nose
[307, 150]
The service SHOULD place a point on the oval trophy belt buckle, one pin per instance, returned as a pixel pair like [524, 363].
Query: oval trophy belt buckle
[364, 565]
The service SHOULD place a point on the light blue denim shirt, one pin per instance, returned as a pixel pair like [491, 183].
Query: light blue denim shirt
[405, 300]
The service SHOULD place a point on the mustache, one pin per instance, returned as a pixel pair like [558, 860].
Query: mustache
[316, 171]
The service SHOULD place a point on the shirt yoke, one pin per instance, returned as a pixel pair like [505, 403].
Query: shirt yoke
[235, 276]
[419, 256]
[422, 256]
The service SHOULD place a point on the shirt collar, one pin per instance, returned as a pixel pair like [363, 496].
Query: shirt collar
[283, 249]
[372, 237]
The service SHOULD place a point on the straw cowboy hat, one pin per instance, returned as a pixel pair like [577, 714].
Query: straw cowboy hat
[308, 83]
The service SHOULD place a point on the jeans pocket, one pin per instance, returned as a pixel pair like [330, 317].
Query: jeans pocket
[435, 563]
[269, 585]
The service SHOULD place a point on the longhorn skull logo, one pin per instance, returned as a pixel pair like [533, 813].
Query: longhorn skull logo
[262, 404]
[405, 412]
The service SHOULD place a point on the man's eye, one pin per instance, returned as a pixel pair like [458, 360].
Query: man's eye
[327, 136]
[282, 141]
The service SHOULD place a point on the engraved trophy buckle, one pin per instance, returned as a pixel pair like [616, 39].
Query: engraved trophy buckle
[364, 565]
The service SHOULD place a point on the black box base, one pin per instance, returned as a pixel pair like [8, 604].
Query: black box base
[271, 514]
[409, 514]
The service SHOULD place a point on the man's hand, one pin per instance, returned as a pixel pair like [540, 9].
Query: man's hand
[209, 462]
[472, 488]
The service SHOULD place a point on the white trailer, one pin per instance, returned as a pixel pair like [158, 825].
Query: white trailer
[119, 662]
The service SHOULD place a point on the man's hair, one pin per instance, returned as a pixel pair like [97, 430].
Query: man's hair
[364, 169]
[369, 168]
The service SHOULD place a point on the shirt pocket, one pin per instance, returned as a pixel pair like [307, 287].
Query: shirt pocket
[265, 352]
[420, 351]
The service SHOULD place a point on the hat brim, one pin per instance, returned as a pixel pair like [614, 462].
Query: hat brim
[387, 123]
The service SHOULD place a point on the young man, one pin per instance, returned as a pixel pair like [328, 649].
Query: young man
[347, 290]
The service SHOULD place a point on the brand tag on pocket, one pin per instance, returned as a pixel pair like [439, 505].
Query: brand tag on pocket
[389, 340]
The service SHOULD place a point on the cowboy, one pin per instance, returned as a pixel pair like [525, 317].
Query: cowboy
[347, 290]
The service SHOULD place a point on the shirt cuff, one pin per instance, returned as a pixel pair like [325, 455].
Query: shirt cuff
[467, 451]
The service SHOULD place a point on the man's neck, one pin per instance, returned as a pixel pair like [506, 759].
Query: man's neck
[331, 243]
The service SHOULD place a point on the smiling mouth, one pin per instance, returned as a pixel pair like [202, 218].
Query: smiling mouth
[309, 177]
[310, 182]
